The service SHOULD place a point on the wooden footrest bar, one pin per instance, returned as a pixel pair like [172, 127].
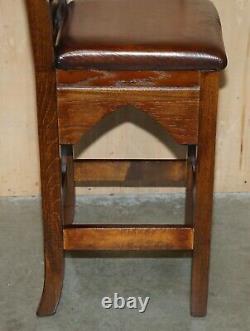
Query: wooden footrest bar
[130, 172]
[128, 237]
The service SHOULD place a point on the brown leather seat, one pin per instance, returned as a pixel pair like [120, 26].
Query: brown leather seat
[142, 34]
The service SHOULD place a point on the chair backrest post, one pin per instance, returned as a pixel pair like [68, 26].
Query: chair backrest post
[41, 30]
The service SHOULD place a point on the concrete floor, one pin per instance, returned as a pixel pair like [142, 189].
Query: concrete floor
[165, 279]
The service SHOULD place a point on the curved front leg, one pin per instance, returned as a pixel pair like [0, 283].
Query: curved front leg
[50, 165]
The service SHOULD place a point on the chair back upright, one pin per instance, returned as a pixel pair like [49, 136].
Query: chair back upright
[45, 20]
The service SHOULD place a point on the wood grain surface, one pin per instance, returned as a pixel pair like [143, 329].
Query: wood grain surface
[139, 238]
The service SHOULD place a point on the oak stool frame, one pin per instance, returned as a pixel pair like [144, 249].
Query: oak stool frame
[70, 103]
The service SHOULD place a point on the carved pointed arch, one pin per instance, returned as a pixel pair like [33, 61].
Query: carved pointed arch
[133, 116]
[81, 109]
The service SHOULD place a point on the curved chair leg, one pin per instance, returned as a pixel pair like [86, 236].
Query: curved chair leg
[50, 165]
[53, 284]
[204, 193]
[68, 184]
[53, 235]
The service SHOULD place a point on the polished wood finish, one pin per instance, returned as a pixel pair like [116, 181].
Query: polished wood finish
[203, 195]
[68, 79]
[129, 237]
[49, 155]
[171, 99]
[72, 102]
[175, 110]
[130, 172]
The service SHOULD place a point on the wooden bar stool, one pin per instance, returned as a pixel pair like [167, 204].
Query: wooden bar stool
[95, 57]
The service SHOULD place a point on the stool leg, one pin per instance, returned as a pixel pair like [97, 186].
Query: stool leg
[68, 184]
[203, 199]
[51, 174]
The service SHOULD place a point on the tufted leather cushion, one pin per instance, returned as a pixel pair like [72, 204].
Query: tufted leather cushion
[142, 34]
